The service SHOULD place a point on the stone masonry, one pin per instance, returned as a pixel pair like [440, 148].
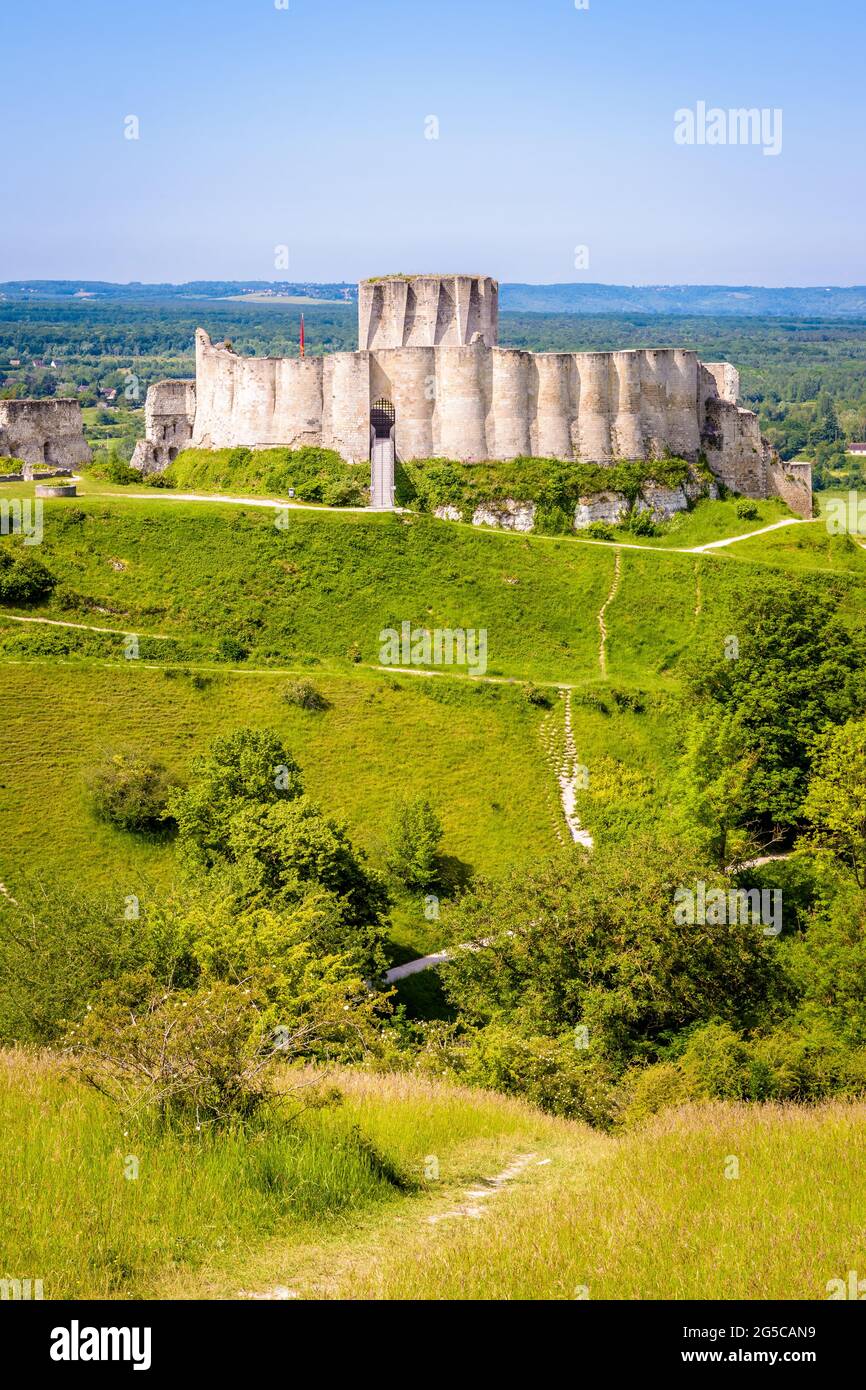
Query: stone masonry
[46, 431]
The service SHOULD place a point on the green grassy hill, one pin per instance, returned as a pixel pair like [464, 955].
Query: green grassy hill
[313, 598]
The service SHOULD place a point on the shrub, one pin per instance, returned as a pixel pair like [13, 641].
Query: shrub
[24, 580]
[747, 511]
[628, 699]
[188, 1056]
[598, 531]
[305, 695]
[415, 837]
[343, 492]
[130, 793]
[208, 1056]
[551, 1073]
[114, 469]
[159, 480]
[535, 695]
[230, 649]
[641, 523]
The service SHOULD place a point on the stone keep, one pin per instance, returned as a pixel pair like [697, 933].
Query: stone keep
[429, 347]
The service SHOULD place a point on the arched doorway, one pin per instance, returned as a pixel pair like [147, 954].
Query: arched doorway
[382, 418]
[382, 453]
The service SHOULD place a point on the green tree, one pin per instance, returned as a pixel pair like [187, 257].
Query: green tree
[796, 669]
[281, 851]
[249, 767]
[594, 941]
[716, 771]
[835, 803]
[413, 846]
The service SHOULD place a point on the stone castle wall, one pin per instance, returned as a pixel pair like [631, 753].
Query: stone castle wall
[428, 345]
[469, 402]
[169, 414]
[43, 431]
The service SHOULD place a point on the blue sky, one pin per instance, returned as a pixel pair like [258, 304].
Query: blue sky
[304, 127]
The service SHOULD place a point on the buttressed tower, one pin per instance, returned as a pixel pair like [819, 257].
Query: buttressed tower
[396, 311]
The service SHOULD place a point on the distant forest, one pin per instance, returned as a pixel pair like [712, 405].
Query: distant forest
[804, 376]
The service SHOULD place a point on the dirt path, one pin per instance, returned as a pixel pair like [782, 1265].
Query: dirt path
[602, 625]
[88, 627]
[763, 531]
[278, 504]
[318, 1274]
[572, 778]
[275, 503]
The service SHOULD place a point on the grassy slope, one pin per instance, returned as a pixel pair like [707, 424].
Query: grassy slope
[304, 598]
[338, 1206]
[653, 1216]
[372, 746]
[327, 584]
[199, 1208]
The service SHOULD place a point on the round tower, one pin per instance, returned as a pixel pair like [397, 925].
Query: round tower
[427, 311]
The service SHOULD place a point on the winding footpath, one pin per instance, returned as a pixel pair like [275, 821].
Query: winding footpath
[602, 625]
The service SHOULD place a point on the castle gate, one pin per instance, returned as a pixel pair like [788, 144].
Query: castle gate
[382, 454]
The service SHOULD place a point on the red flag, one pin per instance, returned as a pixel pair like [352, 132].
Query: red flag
[302, 335]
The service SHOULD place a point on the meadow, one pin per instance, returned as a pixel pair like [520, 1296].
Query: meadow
[714, 1201]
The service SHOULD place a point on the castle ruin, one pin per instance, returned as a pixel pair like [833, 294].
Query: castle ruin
[430, 380]
[48, 432]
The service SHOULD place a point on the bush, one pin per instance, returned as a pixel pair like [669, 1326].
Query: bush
[535, 695]
[598, 531]
[305, 695]
[25, 580]
[230, 649]
[130, 793]
[342, 493]
[628, 699]
[747, 511]
[416, 834]
[159, 480]
[114, 469]
[551, 1073]
[642, 523]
